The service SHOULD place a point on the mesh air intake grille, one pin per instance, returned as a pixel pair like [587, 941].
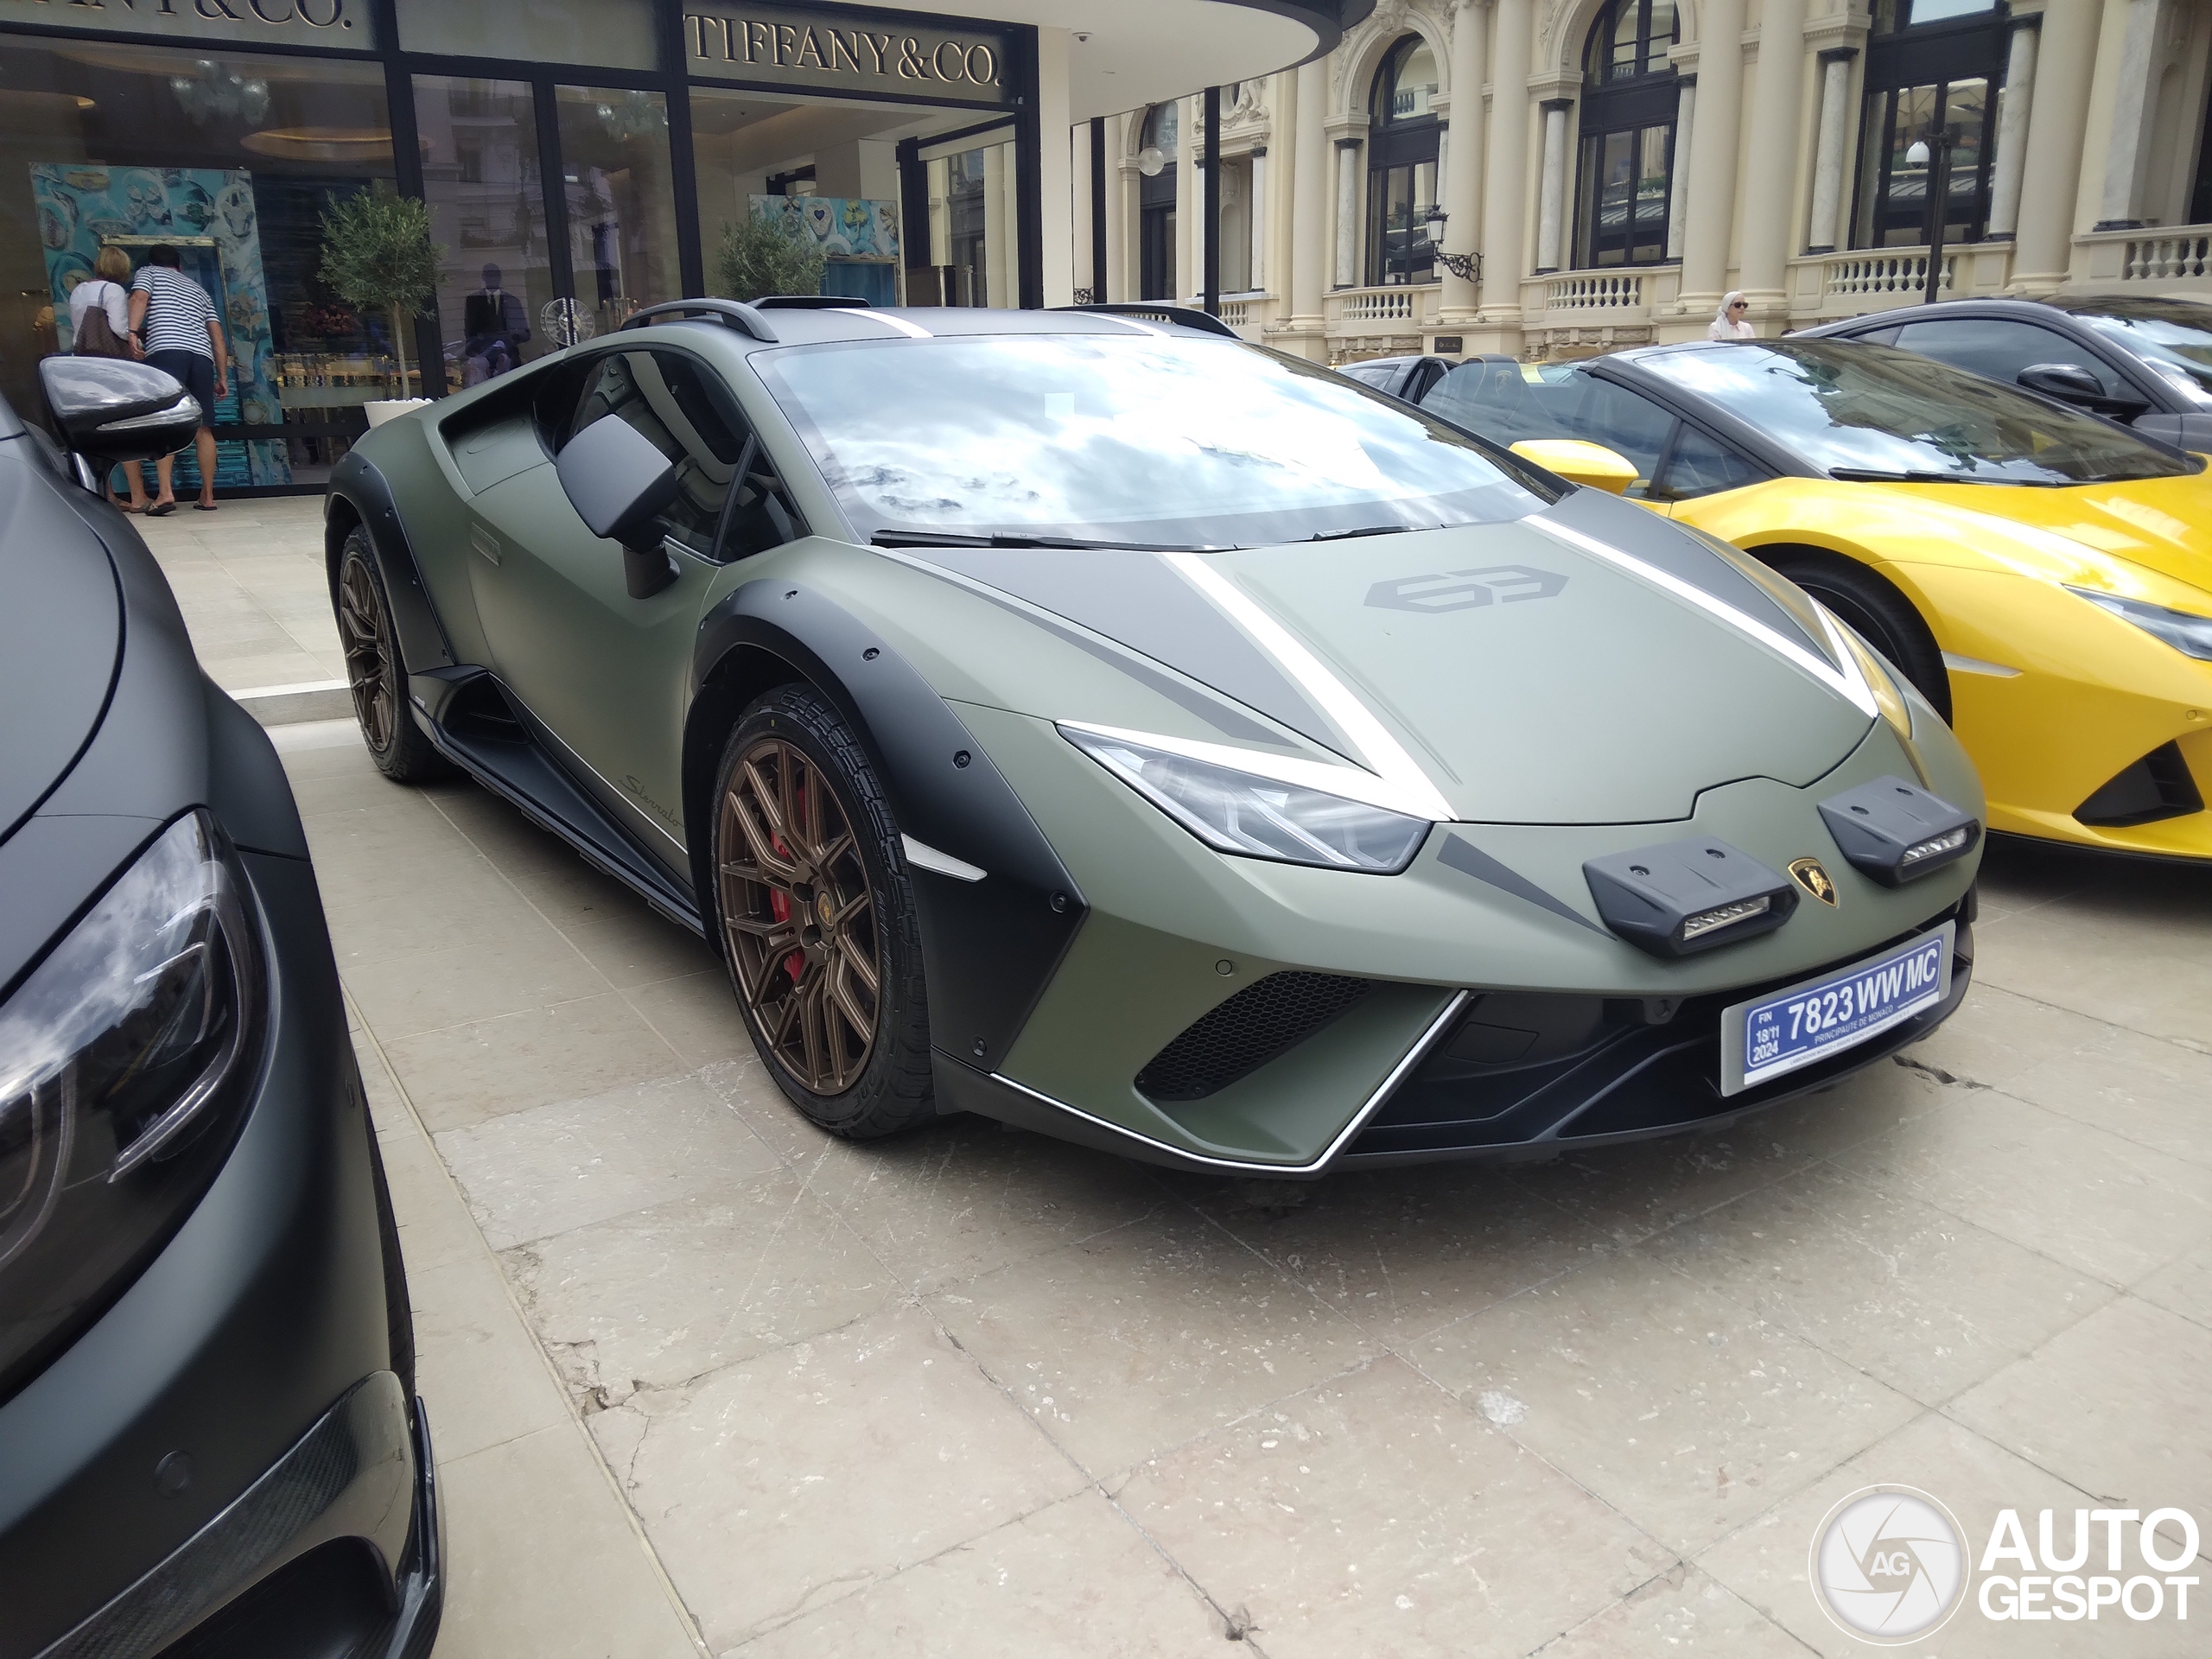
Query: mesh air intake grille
[1245, 1033]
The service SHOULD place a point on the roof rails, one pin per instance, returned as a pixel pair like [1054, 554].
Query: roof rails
[811, 302]
[1186, 316]
[729, 313]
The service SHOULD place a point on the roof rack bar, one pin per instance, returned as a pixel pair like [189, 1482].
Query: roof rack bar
[729, 313]
[1184, 315]
[811, 302]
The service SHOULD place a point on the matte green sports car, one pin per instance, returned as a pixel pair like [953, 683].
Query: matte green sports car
[1085, 719]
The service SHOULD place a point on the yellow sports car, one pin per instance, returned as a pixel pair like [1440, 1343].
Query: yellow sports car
[2043, 577]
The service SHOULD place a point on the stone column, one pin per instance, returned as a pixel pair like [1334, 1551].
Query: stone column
[1348, 212]
[1462, 191]
[1309, 198]
[1712, 154]
[2009, 169]
[2042, 248]
[1120, 209]
[1551, 198]
[1189, 203]
[1678, 173]
[1770, 171]
[1258, 215]
[2118, 209]
[1822, 233]
[1504, 256]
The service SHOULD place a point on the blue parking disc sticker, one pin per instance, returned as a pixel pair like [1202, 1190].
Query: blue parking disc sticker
[1824, 1015]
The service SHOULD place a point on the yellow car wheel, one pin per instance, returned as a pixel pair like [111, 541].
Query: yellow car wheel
[1882, 616]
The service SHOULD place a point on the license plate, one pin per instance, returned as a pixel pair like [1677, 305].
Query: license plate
[1825, 1016]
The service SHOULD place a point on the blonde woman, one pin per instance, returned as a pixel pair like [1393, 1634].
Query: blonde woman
[104, 296]
[1728, 323]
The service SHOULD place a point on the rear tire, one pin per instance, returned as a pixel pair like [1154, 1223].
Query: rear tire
[374, 672]
[814, 911]
[1884, 616]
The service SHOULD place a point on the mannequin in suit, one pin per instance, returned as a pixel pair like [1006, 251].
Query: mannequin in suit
[496, 325]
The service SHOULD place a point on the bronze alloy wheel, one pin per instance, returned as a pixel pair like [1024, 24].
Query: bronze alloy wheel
[368, 670]
[802, 924]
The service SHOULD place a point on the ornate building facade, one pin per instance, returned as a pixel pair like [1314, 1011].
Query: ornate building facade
[1550, 178]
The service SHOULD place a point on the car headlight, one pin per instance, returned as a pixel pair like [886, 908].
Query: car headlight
[116, 1052]
[2186, 632]
[1261, 817]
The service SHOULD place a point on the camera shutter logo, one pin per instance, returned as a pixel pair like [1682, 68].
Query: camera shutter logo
[1889, 1564]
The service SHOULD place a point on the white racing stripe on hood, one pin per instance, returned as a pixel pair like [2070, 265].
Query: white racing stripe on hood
[1416, 792]
[1846, 683]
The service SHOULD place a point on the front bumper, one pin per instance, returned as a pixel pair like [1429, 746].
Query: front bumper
[246, 1584]
[148, 1474]
[1631, 1081]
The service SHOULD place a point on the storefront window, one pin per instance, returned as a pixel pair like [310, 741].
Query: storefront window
[1932, 69]
[230, 158]
[1630, 92]
[621, 202]
[971, 224]
[1402, 161]
[481, 177]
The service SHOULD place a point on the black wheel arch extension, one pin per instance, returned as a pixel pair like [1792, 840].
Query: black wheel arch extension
[990, 946]
[360, 494]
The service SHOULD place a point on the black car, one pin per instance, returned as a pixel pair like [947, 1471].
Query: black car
[1408, 377]
[209, 1438]
[2143, 361]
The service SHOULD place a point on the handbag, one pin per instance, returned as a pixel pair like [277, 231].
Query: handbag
[96, 335]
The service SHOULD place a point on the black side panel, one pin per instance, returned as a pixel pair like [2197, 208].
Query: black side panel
[477, 732]
[247, 786]
[990, 946]
[422, 641]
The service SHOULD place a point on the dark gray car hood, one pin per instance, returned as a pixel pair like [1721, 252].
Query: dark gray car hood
[60, 632]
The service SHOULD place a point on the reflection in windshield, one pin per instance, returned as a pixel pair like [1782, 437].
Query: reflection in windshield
[1162, 441]
[1865, 408]
[2176, 339]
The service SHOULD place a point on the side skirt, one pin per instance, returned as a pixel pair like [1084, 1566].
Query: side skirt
[499, 753]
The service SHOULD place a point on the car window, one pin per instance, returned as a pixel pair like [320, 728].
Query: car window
[2000, 347]
[1378, 375]
[1506, 406]
[1701, 465]
[671, 399]
[1168, 440]
[2173, 336]
[1855, 409]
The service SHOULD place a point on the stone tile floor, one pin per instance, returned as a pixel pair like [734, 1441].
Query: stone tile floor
[702, 1380]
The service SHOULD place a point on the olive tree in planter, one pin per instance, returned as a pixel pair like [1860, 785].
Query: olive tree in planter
[759, 256]
[377, 256]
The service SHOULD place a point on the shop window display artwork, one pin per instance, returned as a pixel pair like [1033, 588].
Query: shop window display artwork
[858, 236]
[209, 216]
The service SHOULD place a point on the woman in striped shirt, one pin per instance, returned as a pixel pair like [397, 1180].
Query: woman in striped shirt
[174, 323]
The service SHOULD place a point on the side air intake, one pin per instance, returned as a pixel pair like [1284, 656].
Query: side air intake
[2157, 787]
[1239, 1036]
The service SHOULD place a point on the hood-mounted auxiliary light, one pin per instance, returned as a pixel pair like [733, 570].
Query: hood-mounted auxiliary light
[1684, 897]
[1895, 832]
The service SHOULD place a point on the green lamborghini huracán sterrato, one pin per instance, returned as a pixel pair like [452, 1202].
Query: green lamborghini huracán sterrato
[1088, 719]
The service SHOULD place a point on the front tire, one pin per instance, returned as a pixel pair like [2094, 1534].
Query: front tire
[374, 673]
[816, 914]
[1882, 616]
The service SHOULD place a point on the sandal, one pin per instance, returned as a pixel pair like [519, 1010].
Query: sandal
[160, 510]
[203, 507]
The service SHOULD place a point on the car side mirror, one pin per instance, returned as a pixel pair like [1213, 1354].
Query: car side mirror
[617, 481]
[1580, 462]
[2072, 383]
[112, 409]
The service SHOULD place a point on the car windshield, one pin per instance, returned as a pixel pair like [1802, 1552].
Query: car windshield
[1861, 409]
[2174, 336]
[1163, 441]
